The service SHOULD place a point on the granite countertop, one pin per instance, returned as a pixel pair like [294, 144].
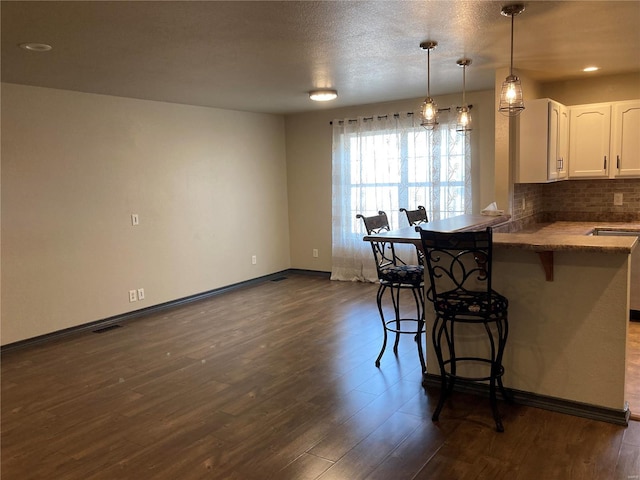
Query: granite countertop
[579, 228]
[541, 237]
[571, 236]
[460, 223]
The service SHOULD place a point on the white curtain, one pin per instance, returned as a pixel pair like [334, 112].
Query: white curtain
[387, 162]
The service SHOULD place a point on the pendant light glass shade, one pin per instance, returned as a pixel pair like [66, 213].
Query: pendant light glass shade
[429, 109]
[511, 101]
[429, 113]
[463, 121]
[463, 118]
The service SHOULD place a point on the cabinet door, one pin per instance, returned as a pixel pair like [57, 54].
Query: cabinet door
[541, 136]
[563, 142]
[625, 135]
[590, 127]
[558, 153]
[553, 162]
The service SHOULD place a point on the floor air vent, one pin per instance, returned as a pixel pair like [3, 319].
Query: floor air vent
[107, 328]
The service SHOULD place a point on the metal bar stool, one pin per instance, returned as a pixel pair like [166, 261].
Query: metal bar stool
[459, 268]
[395, 276]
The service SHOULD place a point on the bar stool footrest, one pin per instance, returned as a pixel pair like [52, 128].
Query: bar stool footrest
[476, 360]
[419, 323]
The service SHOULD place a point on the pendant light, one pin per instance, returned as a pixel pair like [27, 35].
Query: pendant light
[429, 109]
[511, 102]
[463, 119]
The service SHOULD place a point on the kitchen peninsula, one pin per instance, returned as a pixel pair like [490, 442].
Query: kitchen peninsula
[568, 297]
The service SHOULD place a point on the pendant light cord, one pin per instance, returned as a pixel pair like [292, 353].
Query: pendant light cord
[464, 84]
[511, 66]
[429, 72]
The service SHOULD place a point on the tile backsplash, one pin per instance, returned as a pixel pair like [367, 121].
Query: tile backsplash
[575, 200]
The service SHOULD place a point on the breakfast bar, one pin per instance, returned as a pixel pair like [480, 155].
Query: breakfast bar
[568, 296]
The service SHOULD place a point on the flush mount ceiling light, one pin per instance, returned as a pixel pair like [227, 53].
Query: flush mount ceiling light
[323, 95]
[429, 109]
[463, 119]
[590, 69]
[36, 47]
[511, 102]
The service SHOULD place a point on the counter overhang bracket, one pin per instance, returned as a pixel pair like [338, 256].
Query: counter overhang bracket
[546, 258]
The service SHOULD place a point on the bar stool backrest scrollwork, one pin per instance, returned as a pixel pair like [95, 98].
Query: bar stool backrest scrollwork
[416, 217]
[459, 263]
[383, 252]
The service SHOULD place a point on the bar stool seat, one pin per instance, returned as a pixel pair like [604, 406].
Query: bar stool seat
[459, 268]
[469, 303]
[413, 274]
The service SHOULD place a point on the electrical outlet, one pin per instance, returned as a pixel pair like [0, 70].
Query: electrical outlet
[617, 198]
[133, 296]
[254, 260]
[134, 219]
[315, 253]
[141, 294]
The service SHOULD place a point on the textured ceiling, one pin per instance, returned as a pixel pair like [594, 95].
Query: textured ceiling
[265, 56]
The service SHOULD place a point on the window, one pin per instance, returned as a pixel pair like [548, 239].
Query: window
[389, 162]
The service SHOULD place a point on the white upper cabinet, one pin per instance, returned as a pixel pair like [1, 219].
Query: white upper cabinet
[625, 138]
[604, 140]
[590, 127]
[543, 142]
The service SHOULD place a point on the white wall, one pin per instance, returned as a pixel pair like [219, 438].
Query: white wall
[608, 88]
[209, 187]
[308, 140]
[566, 337]
[506, 129]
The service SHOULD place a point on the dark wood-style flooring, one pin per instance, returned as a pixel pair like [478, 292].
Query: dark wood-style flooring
[274, 381]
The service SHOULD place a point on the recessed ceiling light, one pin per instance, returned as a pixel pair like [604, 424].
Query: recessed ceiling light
[590, 69]
[36, 47]
[323, 95]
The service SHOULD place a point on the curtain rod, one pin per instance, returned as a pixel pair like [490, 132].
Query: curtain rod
[395, 115]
